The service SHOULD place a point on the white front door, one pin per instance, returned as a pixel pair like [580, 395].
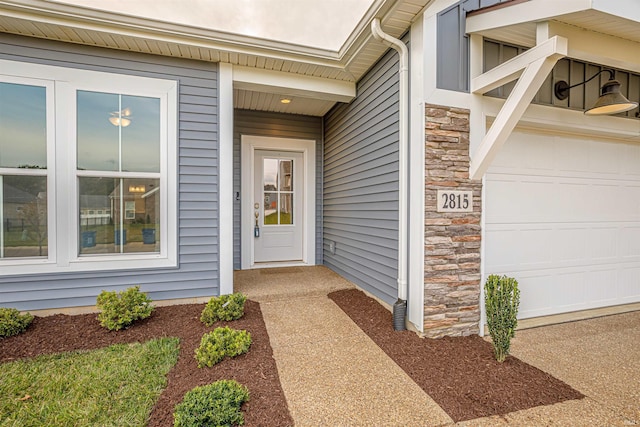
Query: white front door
[277, 209]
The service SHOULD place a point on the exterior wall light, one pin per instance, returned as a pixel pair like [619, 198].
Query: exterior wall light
[611, 101]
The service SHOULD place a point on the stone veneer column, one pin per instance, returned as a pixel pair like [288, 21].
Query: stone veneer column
[452, 240]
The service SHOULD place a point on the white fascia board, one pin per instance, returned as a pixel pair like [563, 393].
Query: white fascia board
[598, 48]
[529, 11]
[545, 118]
[555, 47]
[283, 83]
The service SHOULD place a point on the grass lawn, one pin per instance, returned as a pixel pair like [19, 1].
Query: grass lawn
[113, 386]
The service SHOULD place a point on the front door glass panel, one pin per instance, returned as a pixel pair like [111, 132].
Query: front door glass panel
[278, 191]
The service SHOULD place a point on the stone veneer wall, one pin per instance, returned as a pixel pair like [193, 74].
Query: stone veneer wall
[452, 240]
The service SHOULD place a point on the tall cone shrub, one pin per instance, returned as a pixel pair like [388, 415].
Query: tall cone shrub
[502, 300]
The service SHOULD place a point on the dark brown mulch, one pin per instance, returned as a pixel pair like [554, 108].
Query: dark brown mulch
[460, 374]
[256, 369]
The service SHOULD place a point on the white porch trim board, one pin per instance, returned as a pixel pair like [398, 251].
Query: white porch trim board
[225, 85]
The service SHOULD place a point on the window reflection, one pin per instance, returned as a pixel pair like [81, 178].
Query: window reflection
[119, 215]
[23, 126]
[23, 200]
[278, 191]
[118, 132]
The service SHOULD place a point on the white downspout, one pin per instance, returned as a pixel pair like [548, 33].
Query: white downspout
[403, 123]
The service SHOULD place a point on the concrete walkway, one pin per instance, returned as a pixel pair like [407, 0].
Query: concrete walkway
[333, 374]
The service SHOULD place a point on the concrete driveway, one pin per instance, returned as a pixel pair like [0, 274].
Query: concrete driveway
[333, 374]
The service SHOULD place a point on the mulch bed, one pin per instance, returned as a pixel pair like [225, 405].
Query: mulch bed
[461, 373]
[256, 369]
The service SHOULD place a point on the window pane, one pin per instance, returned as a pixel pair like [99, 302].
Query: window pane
[97, 137]
[286, 175]
[119, 215]
[141, 138]
[118, 132]
[270, 208]
[286, 209]
[23, 126]
[24, 216]
[270, 171]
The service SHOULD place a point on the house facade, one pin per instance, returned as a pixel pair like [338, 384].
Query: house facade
[426, 151]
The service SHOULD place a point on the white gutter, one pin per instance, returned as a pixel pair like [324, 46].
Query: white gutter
[403, 207]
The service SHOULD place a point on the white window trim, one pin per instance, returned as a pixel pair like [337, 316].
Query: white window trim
[62, 84]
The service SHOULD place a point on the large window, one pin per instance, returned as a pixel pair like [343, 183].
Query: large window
[118, 145]
[87, 170]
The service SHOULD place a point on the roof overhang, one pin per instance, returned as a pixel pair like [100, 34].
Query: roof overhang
[599, 31]
[75, 24]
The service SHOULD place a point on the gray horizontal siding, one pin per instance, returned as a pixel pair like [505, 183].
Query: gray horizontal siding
[198, 248]
[260, 123]
[361, 183]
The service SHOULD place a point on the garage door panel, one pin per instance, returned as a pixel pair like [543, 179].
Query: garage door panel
[630, 285]
[562, 216]
[602, 244]
[630, 243]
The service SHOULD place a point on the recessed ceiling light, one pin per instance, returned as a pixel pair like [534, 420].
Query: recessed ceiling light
[285, 100]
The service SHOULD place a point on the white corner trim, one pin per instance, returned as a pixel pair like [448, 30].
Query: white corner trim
[415, 307]
[537, 64]
[283, 83]
[225, 169]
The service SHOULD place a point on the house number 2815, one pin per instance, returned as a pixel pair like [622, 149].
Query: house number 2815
[455, 201]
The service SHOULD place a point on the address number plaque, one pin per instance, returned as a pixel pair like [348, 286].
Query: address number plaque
[455, 201]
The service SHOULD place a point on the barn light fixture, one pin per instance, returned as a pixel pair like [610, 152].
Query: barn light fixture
[611, 101]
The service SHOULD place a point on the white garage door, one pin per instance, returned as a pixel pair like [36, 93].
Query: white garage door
[562, 216]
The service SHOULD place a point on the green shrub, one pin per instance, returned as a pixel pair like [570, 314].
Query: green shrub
[118, 311]
[221, 343]
[225, 307]
[12, 322]
[216, 404]
[502, 299]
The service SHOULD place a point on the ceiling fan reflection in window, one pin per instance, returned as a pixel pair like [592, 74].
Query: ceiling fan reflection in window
[121, 118]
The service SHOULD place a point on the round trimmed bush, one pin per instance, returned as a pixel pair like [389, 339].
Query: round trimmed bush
[225, 307]
[12, 322]
[216, 404]
[221, 343]
[118, 311]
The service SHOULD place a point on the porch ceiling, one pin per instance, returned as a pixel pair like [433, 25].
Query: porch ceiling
[100, 28]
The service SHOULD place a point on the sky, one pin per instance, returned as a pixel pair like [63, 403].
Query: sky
[324, 24]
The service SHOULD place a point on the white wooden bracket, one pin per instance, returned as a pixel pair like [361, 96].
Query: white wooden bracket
[531, 68]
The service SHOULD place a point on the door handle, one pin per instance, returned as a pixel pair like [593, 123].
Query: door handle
[256, 229]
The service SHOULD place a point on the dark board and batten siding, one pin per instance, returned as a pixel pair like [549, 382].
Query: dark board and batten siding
[198, 248]
[261, 123]
[361, 183]
[453, 44]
